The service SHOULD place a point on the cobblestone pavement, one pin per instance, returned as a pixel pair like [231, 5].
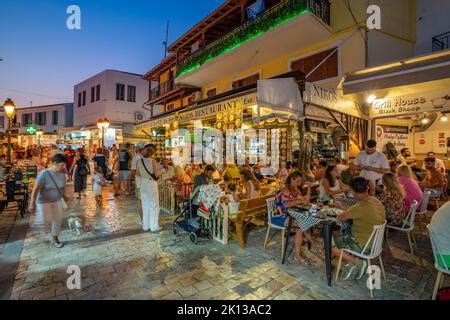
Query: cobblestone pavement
[119, 261]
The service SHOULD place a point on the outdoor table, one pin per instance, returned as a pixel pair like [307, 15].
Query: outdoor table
[327, 224]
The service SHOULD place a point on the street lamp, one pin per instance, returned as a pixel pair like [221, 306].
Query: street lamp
[10, 111]
[39, 135]
[103, 125]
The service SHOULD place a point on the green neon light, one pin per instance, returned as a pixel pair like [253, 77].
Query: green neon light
[286, 12]
[31, 130]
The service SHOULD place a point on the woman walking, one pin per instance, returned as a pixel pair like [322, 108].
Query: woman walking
[81, 170]
[146, 168]
[48, 194]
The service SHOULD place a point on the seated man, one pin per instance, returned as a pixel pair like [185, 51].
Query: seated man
[350, 173]
[440, 166]
[439, 227]
[205, 177]
[434, 182]
[367, 213]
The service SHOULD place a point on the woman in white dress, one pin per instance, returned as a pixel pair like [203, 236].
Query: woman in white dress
[146, 169]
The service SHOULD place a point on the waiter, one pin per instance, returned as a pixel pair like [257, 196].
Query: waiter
[373, 164]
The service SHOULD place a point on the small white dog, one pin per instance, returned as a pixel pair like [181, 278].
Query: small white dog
[75, 224]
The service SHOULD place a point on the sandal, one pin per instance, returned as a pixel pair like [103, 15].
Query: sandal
[306, 262]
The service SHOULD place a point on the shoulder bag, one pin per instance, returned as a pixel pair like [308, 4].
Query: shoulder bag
[151, 174]
[64, 203]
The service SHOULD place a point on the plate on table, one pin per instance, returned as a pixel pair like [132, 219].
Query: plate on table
[331, 212]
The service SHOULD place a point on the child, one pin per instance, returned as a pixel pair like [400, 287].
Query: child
[233, 197]
[98, 182]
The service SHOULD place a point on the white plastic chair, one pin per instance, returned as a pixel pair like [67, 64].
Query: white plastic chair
[376, 243]
[423, 210]
[270, 207]
[441, 270]
[408, 226]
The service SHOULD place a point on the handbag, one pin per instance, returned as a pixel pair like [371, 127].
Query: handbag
[63, 202]
[151, 174]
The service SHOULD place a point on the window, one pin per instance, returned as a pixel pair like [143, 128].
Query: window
[97, 93]
[211, 93]
[245, 82]
[131, 94]
[84, 98]
[329, 68]
[2, 122]
[27, 118]
[170, 107]
[92, 94]
[40, 117]
[79, 99]
[55, 117]
[120, 92]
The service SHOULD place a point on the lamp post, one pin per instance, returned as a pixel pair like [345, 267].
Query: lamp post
[103, 125]
[39, 135]
[10, 111]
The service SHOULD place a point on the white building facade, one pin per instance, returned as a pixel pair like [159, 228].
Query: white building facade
[115, 95]
[49, 119]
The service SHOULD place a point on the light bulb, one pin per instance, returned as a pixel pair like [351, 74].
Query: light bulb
[444, 118]
[425, 121]
[371, 99]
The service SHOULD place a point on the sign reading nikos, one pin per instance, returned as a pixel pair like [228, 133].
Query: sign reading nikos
[330, 99]
[432, 101]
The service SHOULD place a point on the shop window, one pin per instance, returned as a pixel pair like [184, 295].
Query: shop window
[170, 107]
[211, 93]
[328, 69]
[246, 81]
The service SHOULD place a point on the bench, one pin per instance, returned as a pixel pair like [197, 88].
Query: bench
[251, 211]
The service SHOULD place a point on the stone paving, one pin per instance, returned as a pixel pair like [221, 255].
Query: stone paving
[119, 261]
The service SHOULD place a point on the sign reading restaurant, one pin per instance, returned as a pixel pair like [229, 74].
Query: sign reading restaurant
[432, 101]
[223, 106]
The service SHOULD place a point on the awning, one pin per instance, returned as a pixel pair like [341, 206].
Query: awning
[416, 70]
[278, 98]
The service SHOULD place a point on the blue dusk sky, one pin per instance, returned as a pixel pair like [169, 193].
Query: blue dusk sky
[43, 59]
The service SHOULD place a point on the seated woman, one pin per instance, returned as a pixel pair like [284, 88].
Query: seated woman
[407, 180]
[288, 197]
[393, 198]
[331, 187]
[251, 184]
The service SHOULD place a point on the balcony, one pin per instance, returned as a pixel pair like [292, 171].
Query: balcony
[161, 90]
[441, 42]
[269, 20]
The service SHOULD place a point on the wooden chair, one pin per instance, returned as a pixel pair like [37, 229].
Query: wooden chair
[408, 226]
[251, 211]
[375, 242]
[270, 207]
[442, 270]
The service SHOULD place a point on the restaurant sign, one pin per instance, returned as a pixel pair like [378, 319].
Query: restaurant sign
[242, 102]
[330, 99]
[157, 123]
[432, 101]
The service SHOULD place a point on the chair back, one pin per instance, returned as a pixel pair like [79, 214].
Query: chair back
[270, 206]
[438, 257]
[10, 190]
[375, 241]
[424, 203]
[409, 220]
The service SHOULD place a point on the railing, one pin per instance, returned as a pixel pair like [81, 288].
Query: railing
[167, 198]
[162, 89]
[268, 20]
[441, 42]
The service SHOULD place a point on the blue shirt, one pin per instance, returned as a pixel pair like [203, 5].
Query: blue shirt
[50, 192]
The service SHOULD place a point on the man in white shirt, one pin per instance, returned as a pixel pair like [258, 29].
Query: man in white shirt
[168, 171]
[372, 163]
[440, 166]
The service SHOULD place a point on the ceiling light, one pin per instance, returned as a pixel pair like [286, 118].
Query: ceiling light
[425, 121]
[371, 99]
[444, 117]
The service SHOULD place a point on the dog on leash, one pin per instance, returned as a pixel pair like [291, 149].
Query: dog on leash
[75, 225]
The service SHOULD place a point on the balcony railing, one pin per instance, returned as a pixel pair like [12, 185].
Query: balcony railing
[162, 89]
[271, 18]
[441, 42]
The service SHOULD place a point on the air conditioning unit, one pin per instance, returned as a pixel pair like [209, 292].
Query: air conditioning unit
[139, 116]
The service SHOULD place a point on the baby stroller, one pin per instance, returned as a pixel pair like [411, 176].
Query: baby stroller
[193, 218]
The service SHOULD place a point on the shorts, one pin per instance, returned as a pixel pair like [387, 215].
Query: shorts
[347, 241]
[124, 175]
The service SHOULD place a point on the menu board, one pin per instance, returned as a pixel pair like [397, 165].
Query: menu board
[398, 135]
